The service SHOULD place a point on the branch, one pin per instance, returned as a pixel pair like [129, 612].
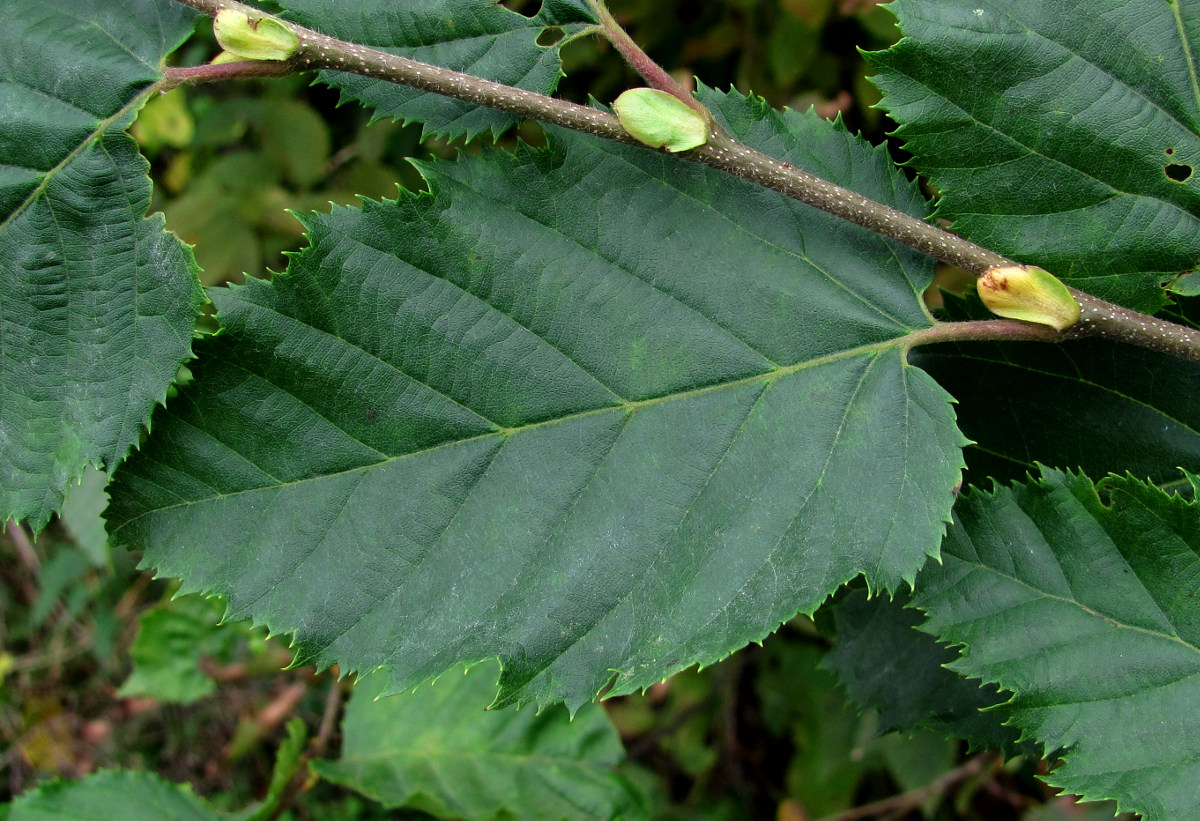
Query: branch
[23, 547]
[1111, 321]
[907, 801]
[1098, 318]
[177, 76]
[984, 330]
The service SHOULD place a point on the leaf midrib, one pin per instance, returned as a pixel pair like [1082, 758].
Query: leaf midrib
[1048, 596]
[48, 176]
[509, 431]
[783, 534]
[1187, 51]
[133, 103]
[507, 205]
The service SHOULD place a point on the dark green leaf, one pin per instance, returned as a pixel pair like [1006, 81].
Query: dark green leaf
[1099, 406]
[477, 37]
[887, 665]
[1090, 615]
[440, 750]
[1061, 134]
[599, 412]
[130, 796]
[98, 301]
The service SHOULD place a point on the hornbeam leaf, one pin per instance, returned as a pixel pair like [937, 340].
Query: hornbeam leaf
[173, 639]
[597, 411]
[1090, 615]
[97, 302]
[477, 37]
[1065, 135]
[440, 750]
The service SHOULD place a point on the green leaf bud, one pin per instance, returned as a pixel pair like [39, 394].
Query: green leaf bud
[1028, 293]
[254, 38]
[660, 120]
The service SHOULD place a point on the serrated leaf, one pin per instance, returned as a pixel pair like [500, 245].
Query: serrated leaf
[477, 37]
[1090, 615]
[98, 301]
[130, 796]
[888, 665]
[599, 412]
[438, 749]
[1062, 135]
[1115, 407]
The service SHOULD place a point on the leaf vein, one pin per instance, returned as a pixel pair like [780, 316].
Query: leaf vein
[492, 307]
[623, 269]
[615, 150]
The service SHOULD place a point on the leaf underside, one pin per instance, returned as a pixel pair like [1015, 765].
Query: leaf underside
[1062, 134]
[596, 411]
[1090, 615]
[98, 302]
[483, 39]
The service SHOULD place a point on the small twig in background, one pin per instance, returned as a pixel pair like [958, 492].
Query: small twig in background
[23, 547]
[317, 747]
[333, 707]
[907, 801]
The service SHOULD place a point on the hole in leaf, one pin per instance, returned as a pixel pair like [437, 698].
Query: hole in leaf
[549, 36]
[519, 6]
[1178, 172]
[1170, 151]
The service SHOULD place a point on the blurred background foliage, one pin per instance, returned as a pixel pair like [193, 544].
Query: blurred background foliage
[101, 667]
